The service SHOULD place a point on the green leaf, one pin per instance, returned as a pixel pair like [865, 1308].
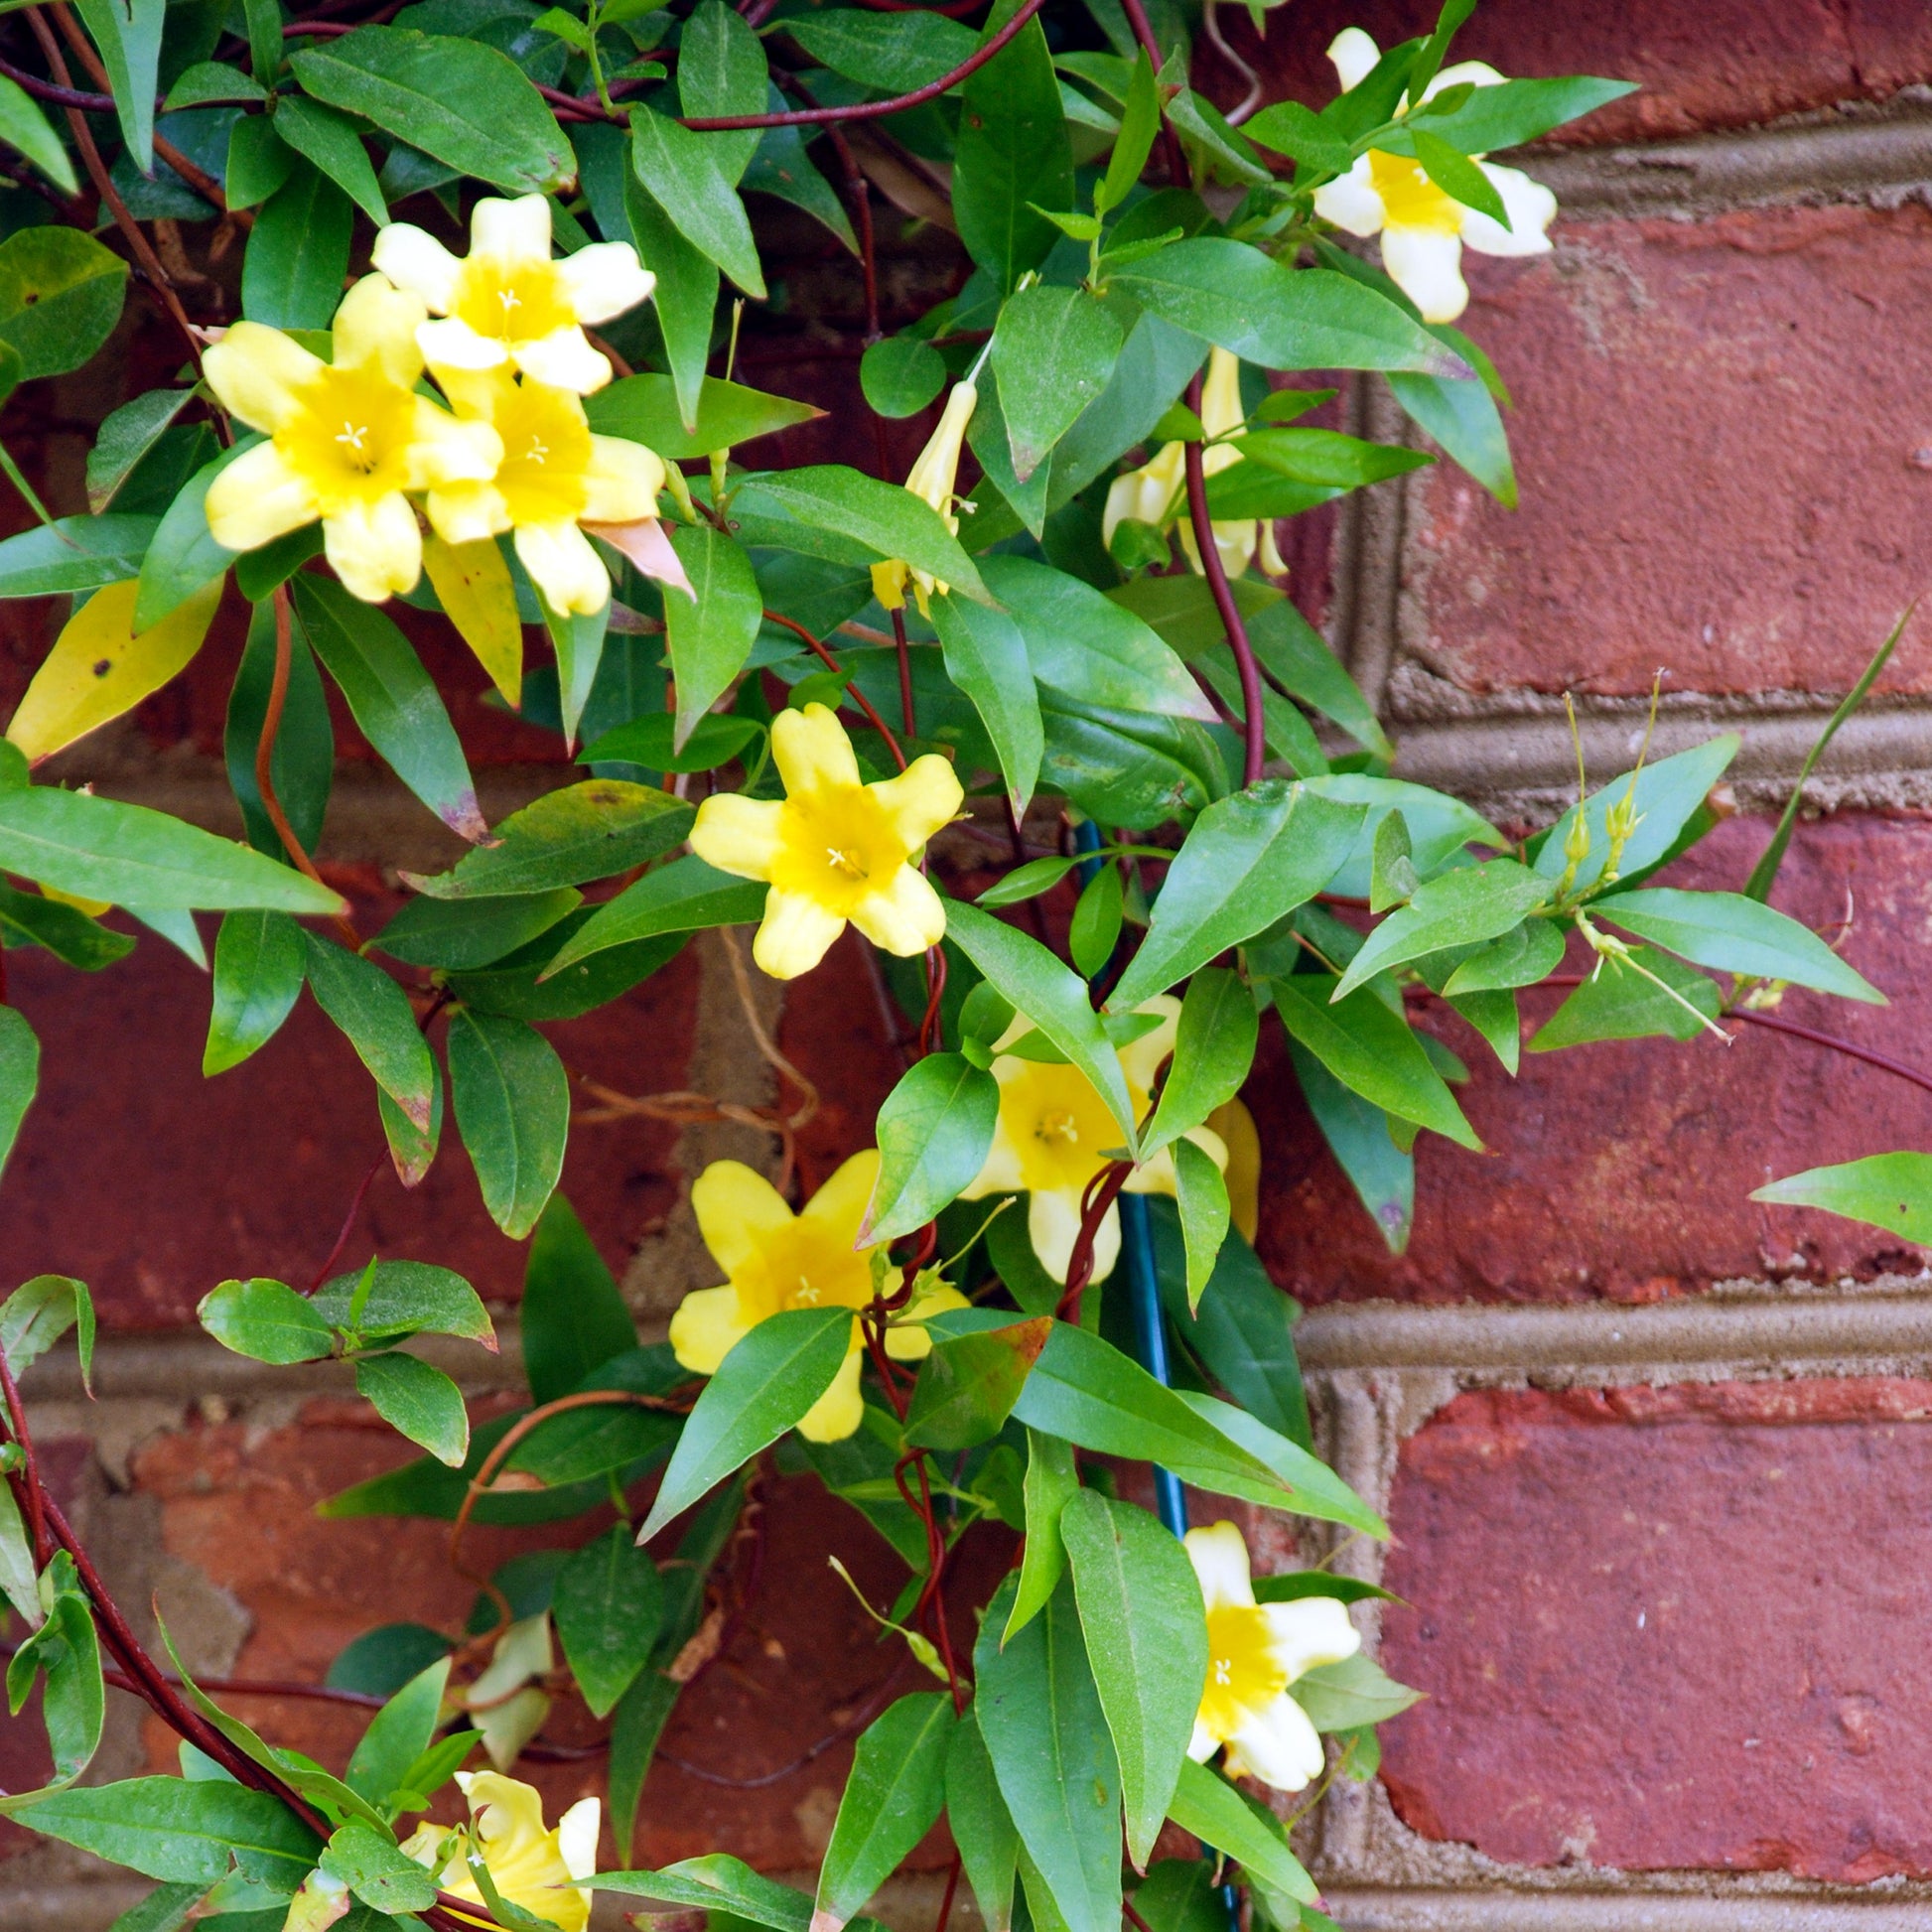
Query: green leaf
[881, 517]
[1619, 1002]
[1465, 908]
[19, 1583]
[463, 102]
[63, 1652]
[1140, 122]
[1054, 349]
[512, 1108]
[577, 637]
[99, 848]
[607, 1608]
[711, 633]
[331, 141]
[418, 1401]
[1521, 957]
[1264, 312]
[1296, 131]
[1892, 1192]
[1248, 859]
[184, 558]
[685, 300]
[128, 33]
[128, 435]
[721, 71]
[780, 165]
[20, 1072]
[1458, 175]
[404, 1298]
[682, 173]
[183, 1831]
[375, 1016]
[644, 409]
[933, 1131]
[261, 961]
[716, 1882]
[1213, 1049]
[893, 53]
[573, 1317]
[74, 554]
[259, 160]
[985, 657]
[377, 1871]
[1371, 1050]
[1045, 1731]
[1357, 1131]
[1203, 1201]
[893, 1795]
[1462, 416]
[24, 128]
[514, 988]
[1737, 934]
[1052, 1479]
[1355, 1691]
[761, 1388]
[982, 1827]
[900, 374]
[1209, 1807]
[1051, 996]
[468, 933]
[1146, 1631]
[1013, 156]
[70, 935]
[297, 255]
[1506, 117]
[568, 837]
[687, 896]
[398, 1735]
[266, 1320]
[1664, 798]
[39, 1313]
[165, 1909]
[647, 742]
[1095, 926]
[969, 1383]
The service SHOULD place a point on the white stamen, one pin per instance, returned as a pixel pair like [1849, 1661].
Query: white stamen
[844, 861]
[1058, 1126]
[351, 439]
[538, 450]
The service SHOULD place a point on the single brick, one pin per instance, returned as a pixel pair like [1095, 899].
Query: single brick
[1667, 1628]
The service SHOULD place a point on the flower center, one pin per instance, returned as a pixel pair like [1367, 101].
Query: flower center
[547, 453]
[1244, 1674]
[1056, 1123]
[1409, 199]
[350, 441]
[837, 846]
[511, 302]
[1059, 1126]
[844, 861]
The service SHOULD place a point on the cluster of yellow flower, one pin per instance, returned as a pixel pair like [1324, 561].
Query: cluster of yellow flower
[352, 438]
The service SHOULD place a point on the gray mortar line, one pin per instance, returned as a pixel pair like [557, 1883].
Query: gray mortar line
[1389, 1909]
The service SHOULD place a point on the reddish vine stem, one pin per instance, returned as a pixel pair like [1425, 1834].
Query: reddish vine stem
[905, 649]
[31, 1470]
[1101, 1191]
[946, 1902]
[1850, 1048]
[833, 665]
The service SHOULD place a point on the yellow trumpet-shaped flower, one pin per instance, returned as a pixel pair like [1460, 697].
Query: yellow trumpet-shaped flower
[529, 1866]
[1054, 1134]
[554, 476]
[833, 849]
[931, 479]
[1156, 493]
[1424, 230]
[774, 1260]
[1255, 1652]
[508, 302]
[347, 438]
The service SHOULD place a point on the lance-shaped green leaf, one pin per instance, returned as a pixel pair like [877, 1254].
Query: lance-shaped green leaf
[184, 557]
[1052, 1480]
[721, 71]
[712, 631]
[1889, 1191]
[63, 1652]
[1465, 908]
[1463, 417]
[1146, 1629]
[982, 1827]
[298, 251]
[608, 1606]
[377, 1872]
[1012, 157]
[165, 1909]
[1521, 957]
[1213, 1050]
[1355, 1691]
[687, 896]
[39, 1313]
[577, 636]
[1506, 117]
[1737, 934]
[419, 1401]
[568, 837]
[681, 171]
[398, 1735]
[260, 960]
[1358, 1132]
[761, 1388]
[99, 848]
[900, 375]
[303, 766]
[24, 127]
[1247, 860]
[895, 1792]
[390, 695]
[19, 1582]
[184, 1831]
[375, 1016]
[1036, 984]
[895, 54]
[1623, 1000]
[969, 1383]
[74, 554]
[716, 1882]
[331, 141]
[644, 409]
[986, 656]
[1054, 349]
[933, 1132]
[573, 1317]
[685, 300]
[20, 1075]
[1663, 797]
[512, 1108]
[467, 934]
[1372, 1052]
[60, 294]
[266, 1320]
[66, 931]
[1046, 1734]
[1209, 1806]
[128, 33]
[1202, 1198]
[390, 1299]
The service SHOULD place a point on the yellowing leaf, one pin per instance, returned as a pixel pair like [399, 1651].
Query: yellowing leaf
[94, 907]
[100, 667]
[472, 584]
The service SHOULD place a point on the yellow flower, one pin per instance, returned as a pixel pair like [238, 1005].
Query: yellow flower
[508, 302]
[554, 476]
[1255, 1651]
[931, 480]
[347, 438]
[833, 849]
[1054, 1134]
[1156, 493]
[1424, 230]
[529, 1866]
[774, 1260]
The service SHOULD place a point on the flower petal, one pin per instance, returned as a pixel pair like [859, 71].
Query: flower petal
[838, 1413]
[923, 798]
[603, 280]
[415, 260]
[511, 231]
[737, 835]
[376, 549]
[577, 1831]
[378, 324]
[1353, 54]
[906, 1339]
[708, 1326]
[257, 499]
[839, 1205]
[563, 359]
[1531, 209]
[1203, 1743]
[504, 1808]
[812, 752]
[904, 919]
[1277, 1744]
[1219, 1554]
[1311, 1631]
[795, 934]
[454, 344]
[1140, 1060]
[258, 373]
[1053, 1226]
[623, 479]
[1351, 201]
[564, 567]
[447, 449]
[1478, 74]
[739, 1211]
[1220, 409]
[1428, 268]
[466, 512]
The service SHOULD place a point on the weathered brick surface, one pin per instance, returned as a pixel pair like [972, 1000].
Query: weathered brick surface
[1667, 1628]
[1722, 66]
[1623, 1169]
[1724, 464]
